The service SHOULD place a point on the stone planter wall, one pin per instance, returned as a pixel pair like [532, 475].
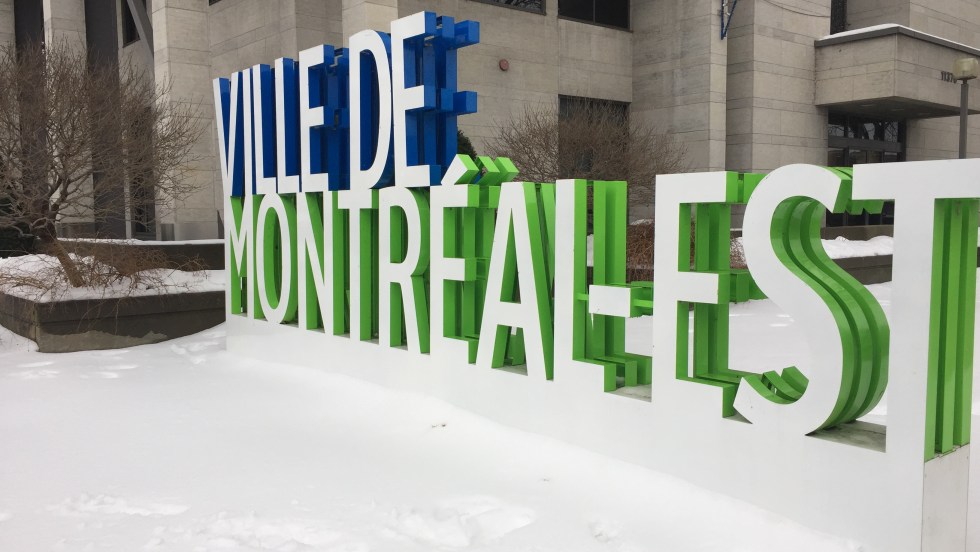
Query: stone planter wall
[91, 324]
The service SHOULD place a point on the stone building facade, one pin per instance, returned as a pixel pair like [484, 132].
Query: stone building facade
[764, 85]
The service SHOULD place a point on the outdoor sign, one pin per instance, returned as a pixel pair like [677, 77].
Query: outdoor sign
[359, 242]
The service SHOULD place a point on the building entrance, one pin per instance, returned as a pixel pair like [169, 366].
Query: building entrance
[854, 140]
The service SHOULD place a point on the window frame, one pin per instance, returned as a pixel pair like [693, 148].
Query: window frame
[124, 12]
[846, 143]
[629, 18]
[542, 11]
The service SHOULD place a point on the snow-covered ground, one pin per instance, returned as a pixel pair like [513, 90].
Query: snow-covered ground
[182, 446]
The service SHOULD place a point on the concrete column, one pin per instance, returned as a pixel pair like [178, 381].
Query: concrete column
[359, 15]
[6, 22]
[679, 75]
[771, 117]
[64, 20]
[308, 23]
[182, 60]
[957, 20]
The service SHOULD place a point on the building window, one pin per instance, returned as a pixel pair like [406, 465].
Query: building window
[129, 31]
[536, 6]
[854, 140]
[613, 13]
[838, 16]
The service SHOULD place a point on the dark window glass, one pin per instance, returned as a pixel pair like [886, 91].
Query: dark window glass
[142, 195]
[862, 128]
[615, 13]
[835, 157]
[143, 207]
[529, 5]
[28, 22]
[837, 125]
[856, 157]
[838, 16]
[130, 32]
[857, 140]
[579, 9]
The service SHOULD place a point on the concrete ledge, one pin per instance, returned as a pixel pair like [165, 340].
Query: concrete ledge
[92, 324]
[877, 31]
[894, 73]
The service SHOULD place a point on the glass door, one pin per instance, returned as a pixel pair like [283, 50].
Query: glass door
[856, 140]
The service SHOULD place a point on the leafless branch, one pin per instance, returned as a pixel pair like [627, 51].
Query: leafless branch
[80, 140]
[592, 141]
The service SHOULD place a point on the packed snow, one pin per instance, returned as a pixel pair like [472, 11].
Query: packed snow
[183, 446]
[843, 248]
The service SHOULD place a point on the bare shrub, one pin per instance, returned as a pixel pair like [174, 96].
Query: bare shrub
[639, 252]
[131, 257]
[592, 141]
[738, 254]
[74, 137]
[113, 270]
[640, 247]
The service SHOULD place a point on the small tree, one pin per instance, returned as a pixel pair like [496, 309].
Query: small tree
[589, 140]
[76, 136]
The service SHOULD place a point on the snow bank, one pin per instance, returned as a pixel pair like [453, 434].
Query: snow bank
[13, 343]
[40, 278]
[843, 248]
[838, 248]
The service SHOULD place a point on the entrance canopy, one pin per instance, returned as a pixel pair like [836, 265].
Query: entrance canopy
[891, 72]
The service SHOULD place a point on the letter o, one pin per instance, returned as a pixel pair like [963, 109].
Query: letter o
[278, 305]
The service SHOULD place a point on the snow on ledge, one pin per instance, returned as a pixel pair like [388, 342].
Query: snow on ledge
[18, 273]
[132, 241]
[902, 29]
[866, 30]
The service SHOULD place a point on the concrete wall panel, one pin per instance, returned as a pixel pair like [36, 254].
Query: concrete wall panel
[679, 73]
[6, 21]
[64, 21]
